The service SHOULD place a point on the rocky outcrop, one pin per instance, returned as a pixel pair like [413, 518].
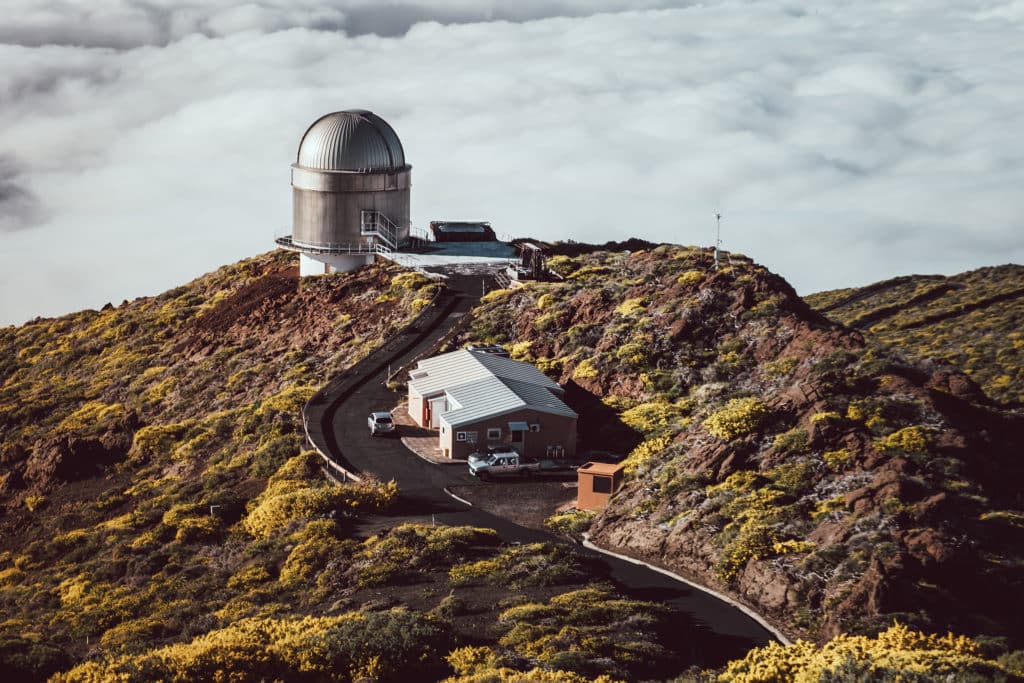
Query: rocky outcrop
[868, 488]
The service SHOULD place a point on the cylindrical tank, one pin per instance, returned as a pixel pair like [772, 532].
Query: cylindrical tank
[350, 188]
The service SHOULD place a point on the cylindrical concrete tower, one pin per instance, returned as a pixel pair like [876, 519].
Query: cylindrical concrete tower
[350, 193]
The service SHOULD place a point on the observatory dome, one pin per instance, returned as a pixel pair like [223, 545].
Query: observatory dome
[355, 140]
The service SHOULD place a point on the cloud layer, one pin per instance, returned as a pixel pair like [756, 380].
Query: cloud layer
[143, 144]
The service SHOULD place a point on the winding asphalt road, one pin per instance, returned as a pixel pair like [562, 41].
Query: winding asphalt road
[712, 631]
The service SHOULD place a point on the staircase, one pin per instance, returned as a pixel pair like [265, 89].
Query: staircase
[380, 226]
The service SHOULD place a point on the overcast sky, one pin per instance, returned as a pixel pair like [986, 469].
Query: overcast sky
[144, 142]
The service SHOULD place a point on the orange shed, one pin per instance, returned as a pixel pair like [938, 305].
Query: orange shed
[597, 482]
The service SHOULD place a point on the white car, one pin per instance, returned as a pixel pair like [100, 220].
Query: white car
[380, 423]
[487, 465]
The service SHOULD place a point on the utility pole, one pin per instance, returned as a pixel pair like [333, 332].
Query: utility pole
[718, 235]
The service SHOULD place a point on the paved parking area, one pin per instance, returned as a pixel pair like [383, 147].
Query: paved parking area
[419, 440]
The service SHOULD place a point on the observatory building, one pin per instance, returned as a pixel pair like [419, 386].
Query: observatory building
[350, 193]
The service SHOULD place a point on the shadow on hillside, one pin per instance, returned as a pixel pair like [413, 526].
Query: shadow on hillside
[599, 426]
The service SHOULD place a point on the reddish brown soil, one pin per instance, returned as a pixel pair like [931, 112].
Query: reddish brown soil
[523, 502]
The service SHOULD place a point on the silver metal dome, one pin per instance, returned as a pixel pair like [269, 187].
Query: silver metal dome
[352, 140]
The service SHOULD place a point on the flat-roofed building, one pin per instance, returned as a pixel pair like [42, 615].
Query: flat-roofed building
[597, 481]
[462, 231]
[481, 400]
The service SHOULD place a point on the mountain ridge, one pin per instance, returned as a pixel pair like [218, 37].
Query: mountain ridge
[970, 321]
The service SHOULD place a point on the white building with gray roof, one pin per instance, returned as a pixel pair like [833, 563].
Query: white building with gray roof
[478, 400]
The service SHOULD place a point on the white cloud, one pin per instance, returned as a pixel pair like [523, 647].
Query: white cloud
[844, 143]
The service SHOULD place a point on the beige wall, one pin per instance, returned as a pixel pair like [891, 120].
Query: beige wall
[416, 408]
[555, 430]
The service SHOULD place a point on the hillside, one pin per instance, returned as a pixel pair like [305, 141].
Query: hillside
[973, 321]
[160, 521]
[774, 454]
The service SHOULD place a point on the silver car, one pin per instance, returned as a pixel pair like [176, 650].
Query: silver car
[380, 423]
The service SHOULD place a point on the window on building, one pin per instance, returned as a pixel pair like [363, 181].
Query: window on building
[535, 428]
[493, 433]
[460, 436]
[602, 484]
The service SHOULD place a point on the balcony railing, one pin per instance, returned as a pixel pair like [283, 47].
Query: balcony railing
[287, 242]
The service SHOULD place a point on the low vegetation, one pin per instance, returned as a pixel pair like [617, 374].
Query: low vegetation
[972, 322]
[160, 520]
[832, 483]
[895, 654]
[152, 487]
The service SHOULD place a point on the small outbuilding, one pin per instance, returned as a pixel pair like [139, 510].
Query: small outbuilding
[462, 231]
[478, 400]
[597, 482]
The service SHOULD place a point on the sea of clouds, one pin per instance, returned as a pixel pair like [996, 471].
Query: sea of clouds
[144, 143]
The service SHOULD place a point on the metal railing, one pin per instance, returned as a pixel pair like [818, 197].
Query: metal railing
[333, 248]
[377, 224]
[421, 234]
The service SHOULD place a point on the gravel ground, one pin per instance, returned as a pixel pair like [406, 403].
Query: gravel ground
[526, 503]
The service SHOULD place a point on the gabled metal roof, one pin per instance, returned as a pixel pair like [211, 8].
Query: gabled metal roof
[484, 385]
[353, 140]
[493, 396]
[461, 367]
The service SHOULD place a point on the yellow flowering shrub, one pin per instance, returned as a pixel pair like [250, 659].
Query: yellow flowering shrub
[570, 522]
[392, 645]
[825, 509]
[644, 454]
[495, 296]
[289, 400]
[632, 353]
[409, 280]
[316, 545]
[653, 417]
[896, 654]
[780, 367]
[585, 370]
[837, 460]
[633, 306]
[33, 503]
[156, 441]
[411, 548]
[690, 278]
[93, 416]
[562, 265]
[546, 300]
[912, 440]
[737, 482]
[791, 441]
[755, 539]
[534, 564]
[249, 577]
[615, 637]
[739, 417]
[285, 501]
[520, 350]
[198, 529]
[792, 547]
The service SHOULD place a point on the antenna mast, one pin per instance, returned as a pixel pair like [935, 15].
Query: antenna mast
[718, 235]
